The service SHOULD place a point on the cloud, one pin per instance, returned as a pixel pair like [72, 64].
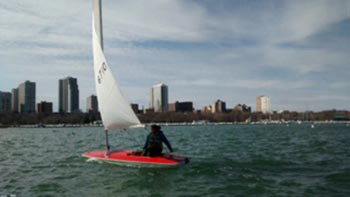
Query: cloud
[204, 50]
[310, 17]
[155, 20]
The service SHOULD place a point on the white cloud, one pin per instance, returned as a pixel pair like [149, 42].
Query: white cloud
[45, 40]
[154, 20]
[303, 19]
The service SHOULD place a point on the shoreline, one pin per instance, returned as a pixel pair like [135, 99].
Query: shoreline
[287, 123]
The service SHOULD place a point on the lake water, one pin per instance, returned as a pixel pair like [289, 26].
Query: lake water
[248, 160]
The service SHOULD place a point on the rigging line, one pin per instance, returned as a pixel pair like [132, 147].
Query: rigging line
[132, 138]
[140, 138]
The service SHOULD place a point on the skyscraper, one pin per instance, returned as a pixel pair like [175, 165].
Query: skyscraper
[5, 101]
[68, 95]
[14, 100]
[92, 104]
[159, 98]
[26, 97]
[263, 104]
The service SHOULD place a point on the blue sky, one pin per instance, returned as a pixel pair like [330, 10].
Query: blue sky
[297, 52]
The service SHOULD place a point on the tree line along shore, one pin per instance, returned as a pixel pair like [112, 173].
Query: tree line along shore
[14, 119]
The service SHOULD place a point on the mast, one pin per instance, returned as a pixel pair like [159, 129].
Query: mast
[97, 5]
[107, 142]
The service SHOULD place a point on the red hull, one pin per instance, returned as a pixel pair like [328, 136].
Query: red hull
[127, 157]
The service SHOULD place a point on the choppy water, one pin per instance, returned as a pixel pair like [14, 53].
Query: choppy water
[267, 160]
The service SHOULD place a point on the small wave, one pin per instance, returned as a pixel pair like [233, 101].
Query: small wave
[94, 160]
[339, 177]
[47, 187]
[65, 177]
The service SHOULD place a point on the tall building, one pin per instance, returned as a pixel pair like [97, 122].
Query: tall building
[159, 98]
[14, 100]
[68, 95]
[218, 107]
[26, 97]
[92, 104]
[44, 107]
[5, 102]
[181, 107]
[263, 104]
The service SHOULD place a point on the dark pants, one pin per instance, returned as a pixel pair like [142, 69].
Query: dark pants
[154, 151]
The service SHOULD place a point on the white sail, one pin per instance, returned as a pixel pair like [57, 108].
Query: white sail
[115, 110]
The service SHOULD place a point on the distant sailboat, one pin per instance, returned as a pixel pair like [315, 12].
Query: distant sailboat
[116, 112]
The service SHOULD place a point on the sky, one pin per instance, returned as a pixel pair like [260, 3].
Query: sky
[297, 52]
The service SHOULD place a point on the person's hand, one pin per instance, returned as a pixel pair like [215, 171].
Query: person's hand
[144, 153]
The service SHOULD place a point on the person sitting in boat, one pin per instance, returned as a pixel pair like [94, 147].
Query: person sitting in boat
[154, 143]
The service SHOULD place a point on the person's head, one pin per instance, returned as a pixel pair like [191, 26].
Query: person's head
[155, 128]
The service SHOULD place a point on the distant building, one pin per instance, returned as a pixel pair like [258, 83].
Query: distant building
[147, 111]
[14, 100]
[44, 107]
[26, 97]
[172, 107]
[218, 107]
[263, 104]
[5, 102]
[342, 116]
[197, 111]
[242, 108]
[207, 109]
[159, 98]
[135, 107]
[68, 95]
[92, 104]
[181, 107]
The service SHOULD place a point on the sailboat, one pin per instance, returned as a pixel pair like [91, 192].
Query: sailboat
[116, 111]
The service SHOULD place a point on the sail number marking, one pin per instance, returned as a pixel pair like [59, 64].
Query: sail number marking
[101, 72]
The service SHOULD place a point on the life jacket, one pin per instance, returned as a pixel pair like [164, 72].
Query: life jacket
[155, 141]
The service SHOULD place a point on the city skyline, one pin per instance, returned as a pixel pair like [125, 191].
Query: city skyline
[295, 52]
[158, 94]
[68, 99]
